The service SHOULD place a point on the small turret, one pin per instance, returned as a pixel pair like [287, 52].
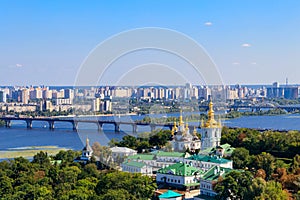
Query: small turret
[180, 118]
[211, 122]
[202, 123]
[195, 131]
[87, 151]
[87, 141]
[175, 127]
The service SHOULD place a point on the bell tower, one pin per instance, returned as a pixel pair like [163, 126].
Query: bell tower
[211, 130]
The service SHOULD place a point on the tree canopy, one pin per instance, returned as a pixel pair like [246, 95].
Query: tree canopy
[42, 179]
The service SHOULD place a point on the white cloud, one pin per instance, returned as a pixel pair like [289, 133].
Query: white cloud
[246, 45]
[253, 63]
[19, 65]
[207, 23]
[236, 63]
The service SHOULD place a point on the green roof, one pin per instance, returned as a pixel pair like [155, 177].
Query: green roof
[192, 184]
[205, 158]
[134, 164]
[169, 194]
[225, 146]
[142, 157]
[170, 154]
[180, 169]
[213, 173]
[228, 149]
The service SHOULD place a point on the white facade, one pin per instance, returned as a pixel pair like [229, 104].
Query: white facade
[136, 167]
[63, 101]
[208, 179]
[87, 151]
[206, 188]
[210, 137]
[207, 162]
[183, 140]
[160, 159]
[179, 175]
[211, 130]
[176, 180]
[122, 152]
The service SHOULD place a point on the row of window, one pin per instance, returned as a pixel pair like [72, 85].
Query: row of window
[170, 180]
[130, 169]
[198, 164]
[205, 135]
[168, 160]
[208, 193]
[206, 186]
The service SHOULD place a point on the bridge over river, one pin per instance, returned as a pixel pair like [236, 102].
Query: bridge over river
[74, 121]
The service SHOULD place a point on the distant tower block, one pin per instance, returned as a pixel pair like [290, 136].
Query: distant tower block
[286, 81]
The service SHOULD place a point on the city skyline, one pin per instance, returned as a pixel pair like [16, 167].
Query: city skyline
[253, 42]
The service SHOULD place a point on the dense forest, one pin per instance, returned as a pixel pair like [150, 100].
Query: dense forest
[45, 180]
[268, 165]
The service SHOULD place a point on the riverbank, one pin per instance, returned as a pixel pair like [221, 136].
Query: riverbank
[29, 152]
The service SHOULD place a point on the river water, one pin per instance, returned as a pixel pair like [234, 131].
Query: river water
[63, 135]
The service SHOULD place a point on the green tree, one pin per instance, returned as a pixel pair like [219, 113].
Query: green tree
[273, 191]
[240, 158]
[67, 157]
[69, 174]
[143, 146]
[89, 170]
[5, 185]
[104, 155]
[295, 164]
[129, 141]
[168, 147]
[42, 159]
[113, 142]
[43, 192]
[140, 187]
[160, 138]
[234, 186]
[116, 194]
[266, 162]
[256, 188]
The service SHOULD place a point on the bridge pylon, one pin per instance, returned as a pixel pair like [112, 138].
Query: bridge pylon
[152, 127]
[29, 124]
[117, 127]
[75, 126]
[134, 128]
[51, 125]
[100, 127]
[8, 123]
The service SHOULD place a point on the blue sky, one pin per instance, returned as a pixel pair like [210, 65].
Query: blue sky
[251, 41]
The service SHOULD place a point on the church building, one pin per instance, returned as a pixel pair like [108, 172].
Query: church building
[210, 130]
[183, 139]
